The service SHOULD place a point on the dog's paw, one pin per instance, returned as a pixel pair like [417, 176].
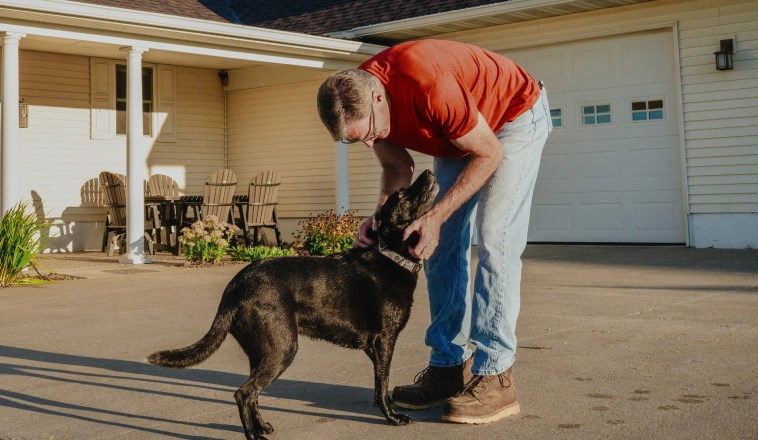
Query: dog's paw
[266, 428]
[400, 420]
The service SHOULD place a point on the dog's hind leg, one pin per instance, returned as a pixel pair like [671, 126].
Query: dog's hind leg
[270, 352]
[383, 348]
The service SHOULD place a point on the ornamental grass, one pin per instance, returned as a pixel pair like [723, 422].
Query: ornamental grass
[21, 242]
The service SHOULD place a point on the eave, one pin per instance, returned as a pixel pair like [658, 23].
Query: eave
[513, 11]
[89, 24]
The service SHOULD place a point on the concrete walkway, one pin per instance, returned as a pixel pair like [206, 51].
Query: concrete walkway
[616, 343]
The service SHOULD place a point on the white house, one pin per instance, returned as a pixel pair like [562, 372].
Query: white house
[654, 145]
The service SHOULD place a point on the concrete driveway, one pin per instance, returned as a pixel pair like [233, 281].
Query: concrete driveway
[616, 343]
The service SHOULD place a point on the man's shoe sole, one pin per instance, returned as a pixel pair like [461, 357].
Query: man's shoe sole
[503, 413]
[418, 406]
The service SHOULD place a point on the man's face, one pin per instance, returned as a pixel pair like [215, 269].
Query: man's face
[374, 127]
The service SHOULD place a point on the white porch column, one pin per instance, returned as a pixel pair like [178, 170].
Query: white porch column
[9, 189]
[135, 160]
[342, 178]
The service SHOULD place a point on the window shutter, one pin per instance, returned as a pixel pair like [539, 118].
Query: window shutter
[102, 114]
[166, 103]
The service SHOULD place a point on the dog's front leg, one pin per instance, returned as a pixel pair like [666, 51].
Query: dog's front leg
[382, 358]
[372, 355]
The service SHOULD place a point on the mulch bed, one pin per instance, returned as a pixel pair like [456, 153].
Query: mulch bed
[202, 264]
[55, 277]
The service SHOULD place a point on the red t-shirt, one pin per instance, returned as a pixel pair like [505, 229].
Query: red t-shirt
[437, 87]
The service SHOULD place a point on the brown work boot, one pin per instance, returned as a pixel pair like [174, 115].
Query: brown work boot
[484, 399]
[433, 386]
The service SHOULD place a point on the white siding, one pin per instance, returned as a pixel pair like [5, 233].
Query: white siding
[720, 117]
[364, 177]
[60, 163]
[278, 128]
[199, 148]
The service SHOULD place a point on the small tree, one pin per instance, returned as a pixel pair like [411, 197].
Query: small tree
[21, 242]
[327, 233]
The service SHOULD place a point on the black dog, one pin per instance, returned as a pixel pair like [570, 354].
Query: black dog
[359, 299]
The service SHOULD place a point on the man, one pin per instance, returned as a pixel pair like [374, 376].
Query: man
[485, 121]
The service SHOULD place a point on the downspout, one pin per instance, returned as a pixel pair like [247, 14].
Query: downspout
[226, 133]
[342, 178]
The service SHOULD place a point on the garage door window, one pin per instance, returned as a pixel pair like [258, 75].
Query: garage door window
[647, 110]
[596, 114]
[556, 115]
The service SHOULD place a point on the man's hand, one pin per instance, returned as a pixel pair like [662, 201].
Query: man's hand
[428, 228]
[362, 240]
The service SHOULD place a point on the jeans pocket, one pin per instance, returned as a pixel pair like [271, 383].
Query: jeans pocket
[527, 118]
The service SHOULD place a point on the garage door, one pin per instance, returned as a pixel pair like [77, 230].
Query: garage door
[610, 171]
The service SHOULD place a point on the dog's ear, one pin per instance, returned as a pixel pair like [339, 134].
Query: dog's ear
[413, 239]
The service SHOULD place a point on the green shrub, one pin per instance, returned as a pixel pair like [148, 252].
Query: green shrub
[21, 242]
[207, 240]
[326, 234]
[255, 253]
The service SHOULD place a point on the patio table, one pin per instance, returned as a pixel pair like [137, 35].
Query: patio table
[164, 218]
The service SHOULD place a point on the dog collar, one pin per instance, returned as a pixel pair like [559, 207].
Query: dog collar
[401, 260]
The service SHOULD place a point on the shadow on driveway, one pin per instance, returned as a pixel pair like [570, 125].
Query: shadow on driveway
[125, 377]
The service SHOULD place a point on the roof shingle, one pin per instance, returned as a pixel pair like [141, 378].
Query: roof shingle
[315, 17]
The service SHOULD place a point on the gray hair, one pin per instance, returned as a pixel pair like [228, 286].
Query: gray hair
[343, 97]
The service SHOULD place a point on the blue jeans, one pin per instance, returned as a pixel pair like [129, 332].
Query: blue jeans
[488, 320]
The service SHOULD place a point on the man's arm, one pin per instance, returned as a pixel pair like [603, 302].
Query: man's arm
[397, 168]
[486, 155]
[397, 172]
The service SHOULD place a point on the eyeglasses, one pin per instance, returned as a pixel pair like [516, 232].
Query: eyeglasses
[373, 131]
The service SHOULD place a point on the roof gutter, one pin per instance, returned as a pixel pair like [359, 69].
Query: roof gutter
[447, 17]
[96, 16]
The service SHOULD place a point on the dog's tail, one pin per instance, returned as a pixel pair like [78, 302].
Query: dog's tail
[200, 350]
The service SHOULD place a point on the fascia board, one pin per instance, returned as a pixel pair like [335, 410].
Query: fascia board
[187, 47]
[182, 26]
[446, 17]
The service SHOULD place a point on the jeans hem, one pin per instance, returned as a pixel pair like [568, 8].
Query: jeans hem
[449, 363]
[490, 371]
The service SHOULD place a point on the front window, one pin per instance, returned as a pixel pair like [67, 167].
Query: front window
[147, 100]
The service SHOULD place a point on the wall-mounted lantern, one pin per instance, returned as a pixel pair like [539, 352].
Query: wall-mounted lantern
[23, 115]
[725, 55]
[224, 76]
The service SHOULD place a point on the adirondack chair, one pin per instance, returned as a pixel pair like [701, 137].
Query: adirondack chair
[162, 185]
[218, 194]
[261, 206]
[113, 187]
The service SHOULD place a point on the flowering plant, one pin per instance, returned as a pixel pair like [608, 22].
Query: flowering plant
[327, 233]
[207, 240]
